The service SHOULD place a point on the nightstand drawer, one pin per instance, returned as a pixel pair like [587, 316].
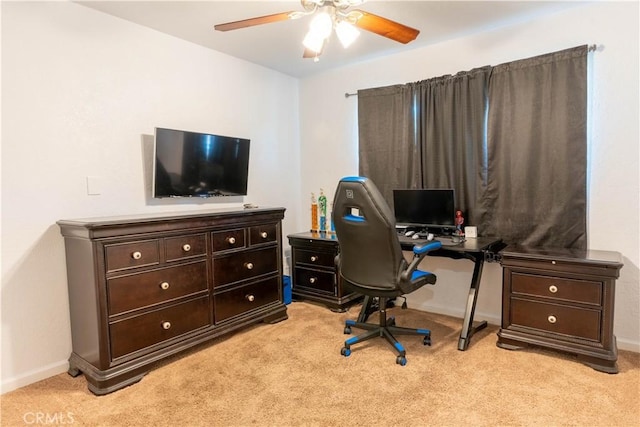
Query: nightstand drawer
[266, 233]
[559, 319]
[157, 326]
[141, 290]
[244, 265]
[182, 247]
[246, 298]
[315, 258]
[316, 280]
[132, 255]
[228, 240]
[559, 288]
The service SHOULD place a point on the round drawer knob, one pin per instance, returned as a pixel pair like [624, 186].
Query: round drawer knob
[314, 258]
[553, 289]
[164, 285]
[186, 247]
[263, 234]
[231, 240]
[166, 325]
[136, 255]
[313, 280]
[552, 319]
[250, 298]
[249, 266]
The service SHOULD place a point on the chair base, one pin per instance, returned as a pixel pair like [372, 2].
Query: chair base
[386, 329]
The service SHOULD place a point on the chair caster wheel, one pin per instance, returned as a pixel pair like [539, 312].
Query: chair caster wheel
[346, 352]
[347, 330]
[426, 341]
[391, 321]
[401, 360]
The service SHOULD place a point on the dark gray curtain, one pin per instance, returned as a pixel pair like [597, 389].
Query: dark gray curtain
[388, 153]
[452, 111]
[537, 151]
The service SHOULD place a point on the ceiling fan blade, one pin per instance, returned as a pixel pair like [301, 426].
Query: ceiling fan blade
[386, 27]
[268, 19]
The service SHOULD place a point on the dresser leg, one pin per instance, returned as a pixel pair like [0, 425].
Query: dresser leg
[607, 366]
[508, 344]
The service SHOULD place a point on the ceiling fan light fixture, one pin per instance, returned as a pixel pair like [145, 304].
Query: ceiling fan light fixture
[321, 25]
[346, 33]
[313, 41]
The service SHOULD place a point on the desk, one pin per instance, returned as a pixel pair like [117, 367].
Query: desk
[477, 250]
[474, 249]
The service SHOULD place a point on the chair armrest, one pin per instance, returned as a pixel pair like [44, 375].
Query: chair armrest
[418, 253]
[423, 249]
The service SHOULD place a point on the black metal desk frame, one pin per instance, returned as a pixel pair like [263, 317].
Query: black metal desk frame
[478, 250]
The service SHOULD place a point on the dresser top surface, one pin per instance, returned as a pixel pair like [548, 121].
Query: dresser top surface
[164, 216]
[590, 256]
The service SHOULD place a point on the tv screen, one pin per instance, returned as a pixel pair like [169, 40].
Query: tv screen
[191, 164]
[424, 208]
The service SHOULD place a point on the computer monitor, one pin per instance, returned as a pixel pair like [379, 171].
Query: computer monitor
[425, 208]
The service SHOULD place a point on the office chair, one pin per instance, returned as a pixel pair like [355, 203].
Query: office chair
[371, 260]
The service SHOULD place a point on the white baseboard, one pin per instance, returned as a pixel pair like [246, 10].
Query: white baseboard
[625, 344]
[454, 312]
[34, 376]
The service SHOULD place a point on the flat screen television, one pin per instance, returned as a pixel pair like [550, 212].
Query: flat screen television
[424, 208]
[192, 164]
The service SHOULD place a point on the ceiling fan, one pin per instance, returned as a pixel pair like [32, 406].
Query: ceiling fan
[332, 15]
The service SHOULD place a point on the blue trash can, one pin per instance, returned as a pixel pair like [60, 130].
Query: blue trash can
[286, 289]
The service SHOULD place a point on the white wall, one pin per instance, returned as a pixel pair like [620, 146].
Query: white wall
[81, 94]
[329, 140]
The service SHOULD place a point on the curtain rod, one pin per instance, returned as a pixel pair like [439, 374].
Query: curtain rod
[591, 48]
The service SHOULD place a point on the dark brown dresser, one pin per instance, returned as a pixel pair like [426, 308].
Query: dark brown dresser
[561, 299]
[142, 288]
[314, 274]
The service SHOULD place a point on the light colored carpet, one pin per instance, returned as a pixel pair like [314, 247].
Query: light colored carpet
[291, 373]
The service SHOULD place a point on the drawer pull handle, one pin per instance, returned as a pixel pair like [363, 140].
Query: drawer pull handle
[553, 289]
[313, 280]
[231, 240]
[263, 234]
[166, 325]
[250, 298]
[314, 258]
[552, 319]
[249, 266]
[186, 247]
[136, 255]
[164, 286]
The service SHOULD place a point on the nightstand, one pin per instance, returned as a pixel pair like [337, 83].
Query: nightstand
[561, 299]
[314, 274]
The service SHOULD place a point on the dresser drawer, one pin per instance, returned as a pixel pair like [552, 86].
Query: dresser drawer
[559, 319]
[316, 258]
[157, 326]
[132, 255]
[559, 288]
[261, 234]
[244, 265]
[246, 298]
[228, 240]
[316, 280]
[145, 289]
[182, 247]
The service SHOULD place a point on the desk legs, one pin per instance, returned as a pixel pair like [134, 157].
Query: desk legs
[468, 329]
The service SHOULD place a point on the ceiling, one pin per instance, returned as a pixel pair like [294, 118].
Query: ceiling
[279, 45]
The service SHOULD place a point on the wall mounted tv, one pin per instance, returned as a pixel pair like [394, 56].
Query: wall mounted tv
[192, 164]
